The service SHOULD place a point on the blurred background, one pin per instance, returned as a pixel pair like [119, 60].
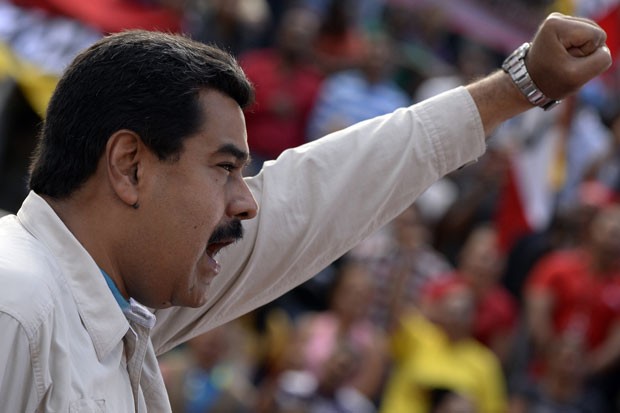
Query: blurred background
[497, 291]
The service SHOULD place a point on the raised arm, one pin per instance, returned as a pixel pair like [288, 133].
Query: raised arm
[566, 53]
[319, 200]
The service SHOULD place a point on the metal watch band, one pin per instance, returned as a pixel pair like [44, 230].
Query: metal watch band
[514, 65]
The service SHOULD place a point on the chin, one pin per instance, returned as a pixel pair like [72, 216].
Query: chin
[194, 303]
[191, 301]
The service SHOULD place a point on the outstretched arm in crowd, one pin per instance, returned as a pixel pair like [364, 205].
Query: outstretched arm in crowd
[367, 174]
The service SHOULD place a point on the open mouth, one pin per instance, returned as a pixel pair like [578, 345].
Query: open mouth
[215, 247]
[223, 236]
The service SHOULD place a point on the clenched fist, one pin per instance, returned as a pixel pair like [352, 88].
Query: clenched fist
[566, 53]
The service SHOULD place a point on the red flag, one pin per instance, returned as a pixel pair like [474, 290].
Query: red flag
[111, 16]
[510, 216]
[610, 22]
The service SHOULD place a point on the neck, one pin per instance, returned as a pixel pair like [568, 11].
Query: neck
[562, 389]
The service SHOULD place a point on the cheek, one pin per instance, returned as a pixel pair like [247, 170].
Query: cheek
[180, 283]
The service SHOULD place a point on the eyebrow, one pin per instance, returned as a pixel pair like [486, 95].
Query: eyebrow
[230, 149]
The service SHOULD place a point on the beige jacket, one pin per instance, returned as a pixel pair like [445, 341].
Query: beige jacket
[65, 345]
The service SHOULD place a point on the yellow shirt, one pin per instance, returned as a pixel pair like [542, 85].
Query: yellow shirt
[425, 359]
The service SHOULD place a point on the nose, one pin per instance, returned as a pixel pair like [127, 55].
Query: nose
[243, 205]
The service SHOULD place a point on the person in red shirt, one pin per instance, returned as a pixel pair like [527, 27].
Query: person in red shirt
[479, 266]
[286, 85]
[578, 291]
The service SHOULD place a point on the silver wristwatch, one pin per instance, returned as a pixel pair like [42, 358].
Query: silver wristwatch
[514, 65]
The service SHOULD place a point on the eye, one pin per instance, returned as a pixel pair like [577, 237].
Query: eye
[229, 167]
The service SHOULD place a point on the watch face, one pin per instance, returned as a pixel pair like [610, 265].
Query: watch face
[515, 57]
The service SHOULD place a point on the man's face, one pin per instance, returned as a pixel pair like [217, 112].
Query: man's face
[190, 209]
[481, 257]
[605, 231]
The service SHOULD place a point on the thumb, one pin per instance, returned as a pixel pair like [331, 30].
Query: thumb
[579, 36]
[593, 63]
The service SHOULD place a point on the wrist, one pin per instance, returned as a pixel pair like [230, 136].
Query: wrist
[514, 93]
[515, 67]
[497, 99]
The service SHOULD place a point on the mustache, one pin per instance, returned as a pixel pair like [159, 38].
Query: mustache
[232, 231]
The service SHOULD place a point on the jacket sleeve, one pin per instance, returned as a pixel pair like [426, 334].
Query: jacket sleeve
[18, 391]
[319, 200]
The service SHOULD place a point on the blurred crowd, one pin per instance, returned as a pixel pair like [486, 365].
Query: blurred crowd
[497, 291]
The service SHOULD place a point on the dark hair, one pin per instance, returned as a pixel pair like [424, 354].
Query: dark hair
[147, 82]
[437, 396]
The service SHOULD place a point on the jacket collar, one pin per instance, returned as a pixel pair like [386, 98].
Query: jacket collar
[98, 309]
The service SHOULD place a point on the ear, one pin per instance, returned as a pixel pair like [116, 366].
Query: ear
[123, 161]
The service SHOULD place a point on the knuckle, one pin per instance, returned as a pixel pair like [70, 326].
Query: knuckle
[554, 19]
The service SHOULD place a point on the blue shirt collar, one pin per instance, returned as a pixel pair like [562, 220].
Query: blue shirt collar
[122, 302]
